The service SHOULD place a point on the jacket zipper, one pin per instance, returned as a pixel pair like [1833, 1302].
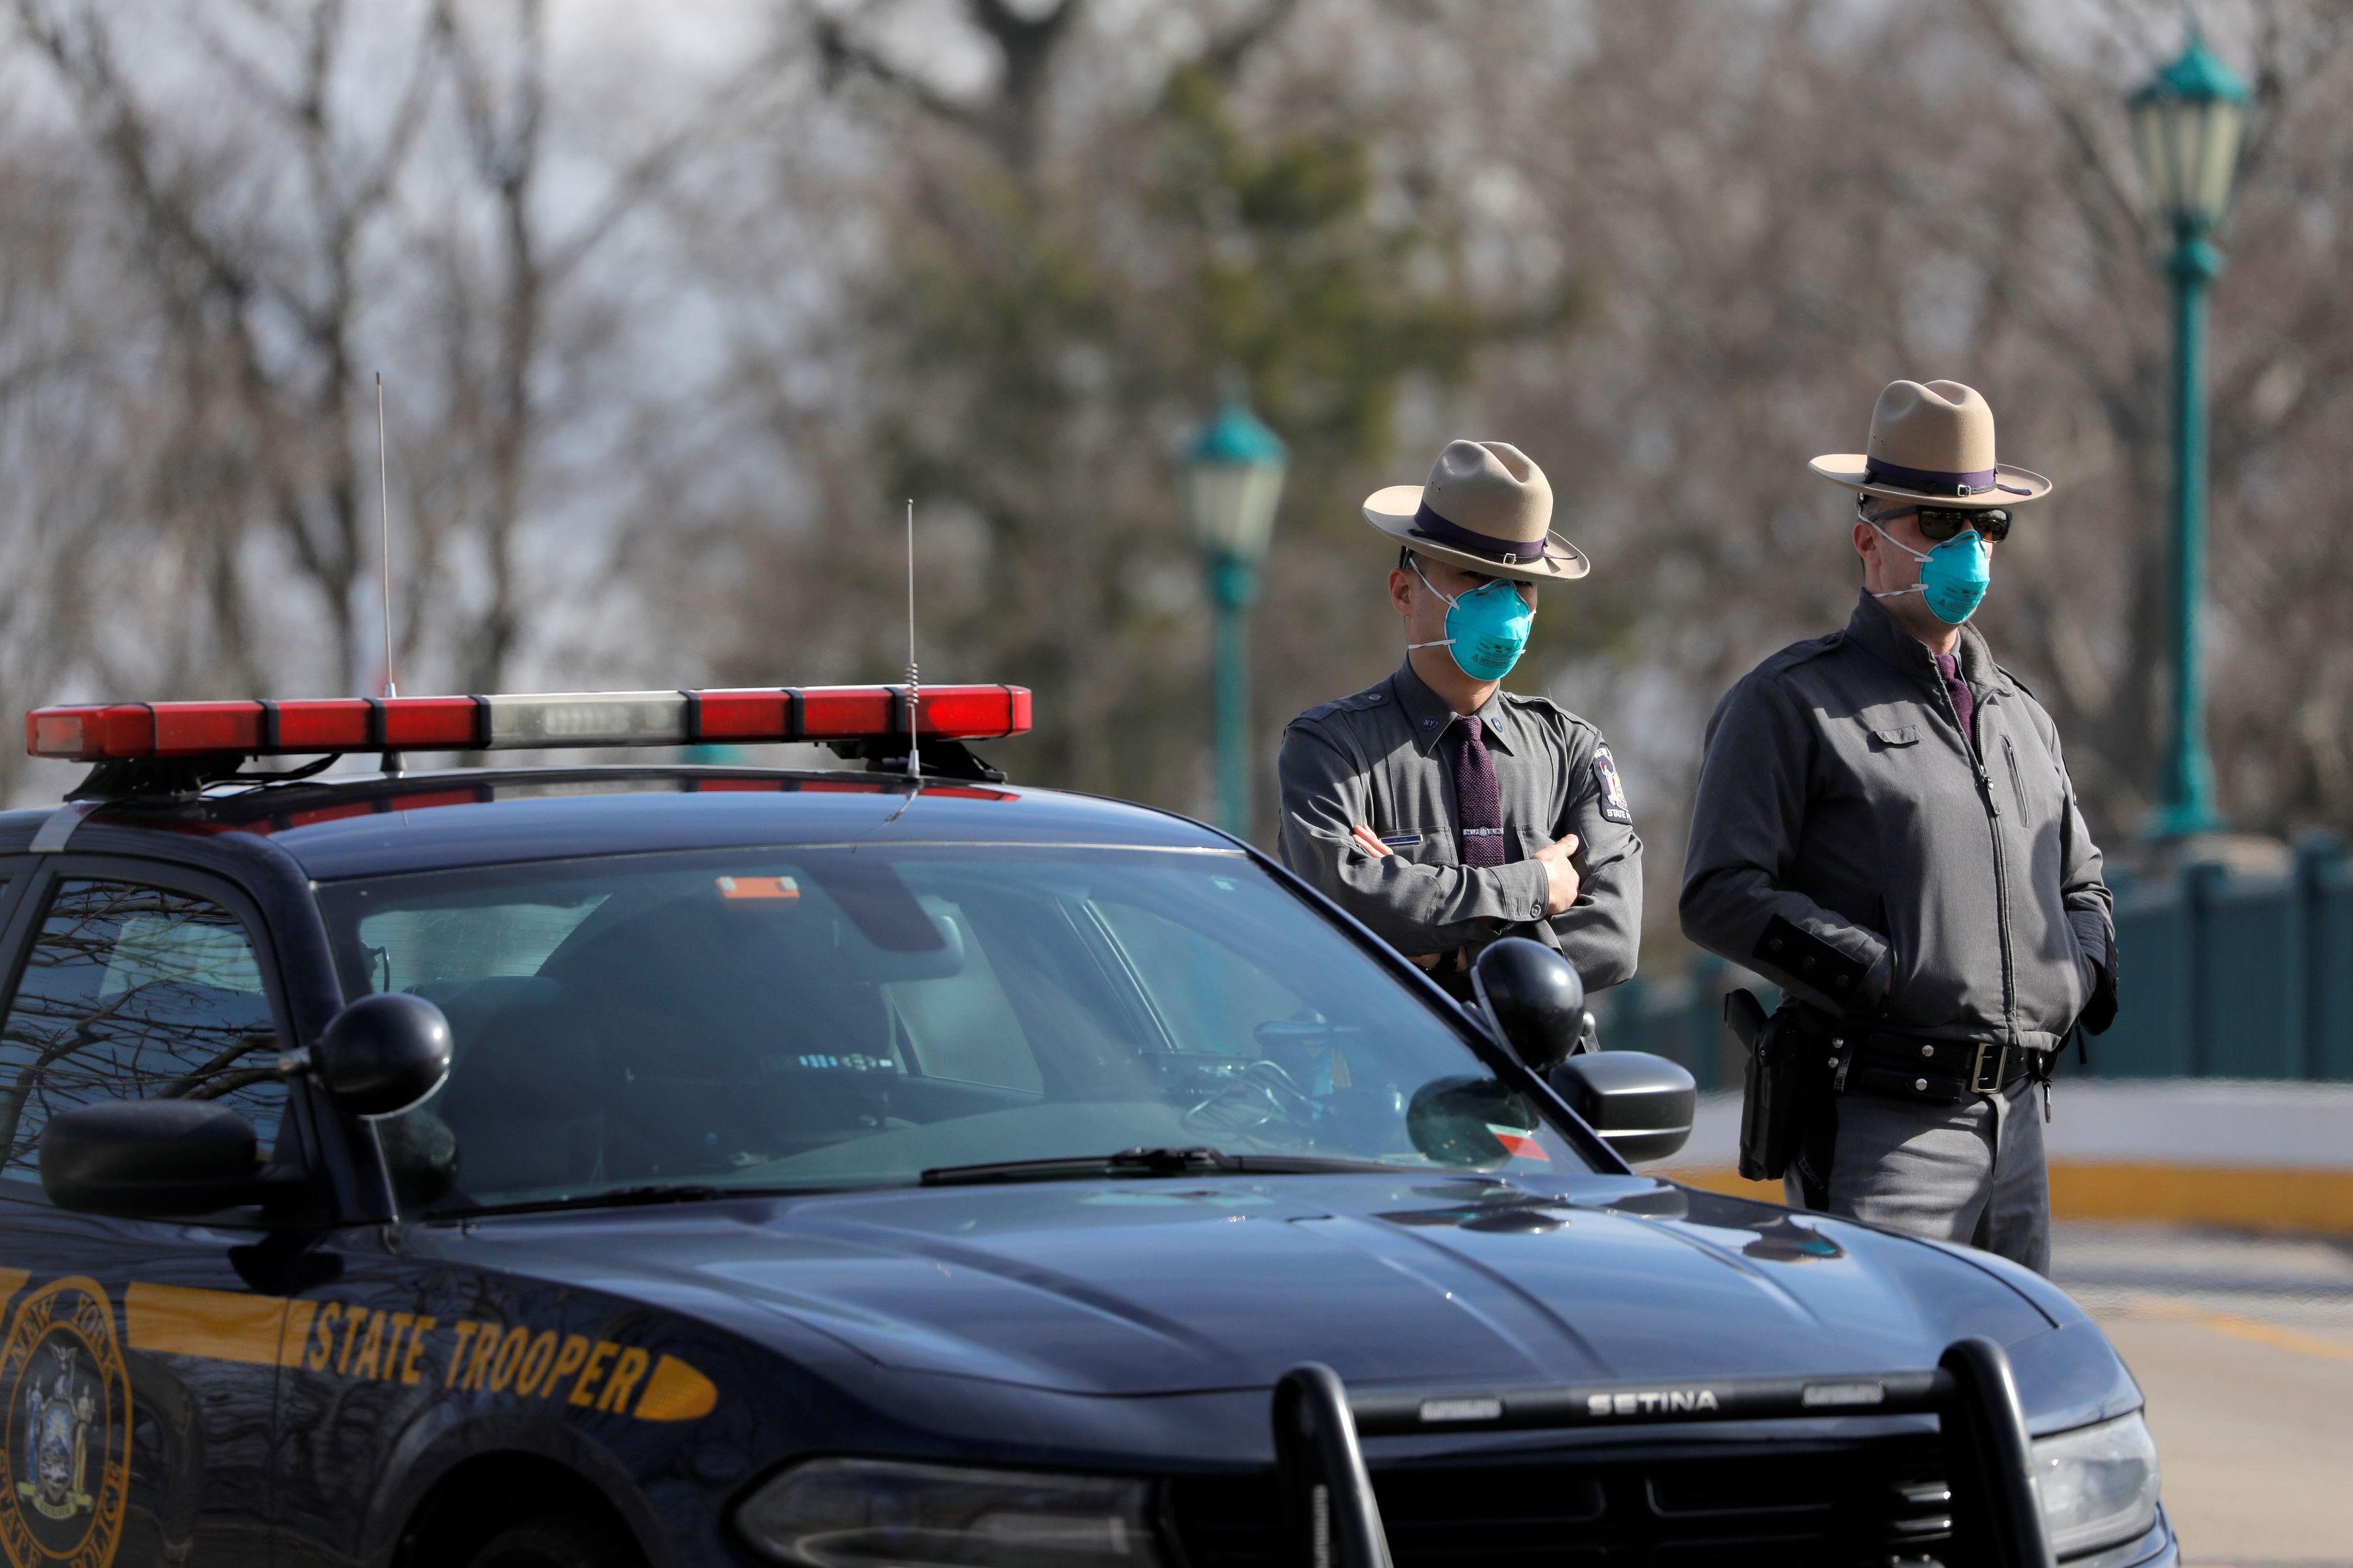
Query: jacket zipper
[2016, 784]
[2000, 869]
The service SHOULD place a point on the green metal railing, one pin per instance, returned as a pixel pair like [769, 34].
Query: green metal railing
[2225, 975]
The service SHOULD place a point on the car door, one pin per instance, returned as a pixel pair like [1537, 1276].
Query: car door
[139, 1368]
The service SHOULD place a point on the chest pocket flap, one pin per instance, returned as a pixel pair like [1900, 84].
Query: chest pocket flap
[1901, 735]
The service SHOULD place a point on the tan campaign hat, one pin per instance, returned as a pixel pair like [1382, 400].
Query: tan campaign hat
[1932, 444]
[1487, 508]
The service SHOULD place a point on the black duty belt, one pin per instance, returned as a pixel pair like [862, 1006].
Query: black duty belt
[1935, 1072]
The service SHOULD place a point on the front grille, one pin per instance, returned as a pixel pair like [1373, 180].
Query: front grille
[1790, 1506]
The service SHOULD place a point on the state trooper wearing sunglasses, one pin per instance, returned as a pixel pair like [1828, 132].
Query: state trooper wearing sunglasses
[1885, 827]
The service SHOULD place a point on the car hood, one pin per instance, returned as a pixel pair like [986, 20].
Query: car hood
[1151, 1287]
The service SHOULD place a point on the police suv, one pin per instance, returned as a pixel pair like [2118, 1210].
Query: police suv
[591, 1167]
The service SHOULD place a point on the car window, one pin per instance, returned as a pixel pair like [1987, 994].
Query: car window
[133, 992]
[837, 1016]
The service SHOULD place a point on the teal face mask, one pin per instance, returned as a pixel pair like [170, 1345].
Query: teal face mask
[1954, 576]
[1486, 629]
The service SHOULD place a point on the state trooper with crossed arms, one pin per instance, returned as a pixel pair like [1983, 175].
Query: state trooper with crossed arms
[1439, 810]
[1886, 828]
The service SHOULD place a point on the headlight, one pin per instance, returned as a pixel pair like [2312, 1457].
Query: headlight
[878, 1513]
[2098, 1484]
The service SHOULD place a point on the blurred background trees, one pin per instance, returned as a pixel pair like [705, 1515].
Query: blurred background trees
[678, 305]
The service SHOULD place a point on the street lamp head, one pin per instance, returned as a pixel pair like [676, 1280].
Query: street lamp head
[2186, 125]
[1233, 481]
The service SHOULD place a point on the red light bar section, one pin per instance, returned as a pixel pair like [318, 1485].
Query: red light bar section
[432, 723]
[718, 718]
[850, 712]
[195, 729]
[972, 712]
[119, 731]
[326, 724]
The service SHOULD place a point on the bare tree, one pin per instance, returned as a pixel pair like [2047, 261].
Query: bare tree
[349, 186]
[263, 324]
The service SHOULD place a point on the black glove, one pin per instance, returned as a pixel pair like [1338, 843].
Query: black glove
[2101, 1010]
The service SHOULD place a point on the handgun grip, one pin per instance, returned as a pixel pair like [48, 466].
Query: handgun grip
[1744, 1015]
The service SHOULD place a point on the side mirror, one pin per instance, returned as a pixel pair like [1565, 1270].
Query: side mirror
[151, 1158]
[1535, 996]
[384, 1053]
[1640, 1104]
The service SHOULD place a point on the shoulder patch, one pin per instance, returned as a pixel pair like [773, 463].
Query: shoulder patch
[1613, 789]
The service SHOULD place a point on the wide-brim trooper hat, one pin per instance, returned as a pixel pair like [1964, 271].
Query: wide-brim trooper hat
[1932, 444]
[1487, 508]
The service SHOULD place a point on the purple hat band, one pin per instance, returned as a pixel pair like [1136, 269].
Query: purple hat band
[1936, 481]
[1428, 524]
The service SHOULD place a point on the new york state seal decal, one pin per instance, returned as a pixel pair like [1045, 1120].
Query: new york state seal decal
[65, 1443]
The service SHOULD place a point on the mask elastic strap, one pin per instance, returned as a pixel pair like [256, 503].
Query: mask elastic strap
[1873, 524]
[1450, 600]
[1442, 642]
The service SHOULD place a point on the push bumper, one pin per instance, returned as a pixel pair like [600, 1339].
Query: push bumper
[1334, 1518]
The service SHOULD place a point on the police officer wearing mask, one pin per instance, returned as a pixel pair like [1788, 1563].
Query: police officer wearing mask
[1886, 828]
[1438, 808]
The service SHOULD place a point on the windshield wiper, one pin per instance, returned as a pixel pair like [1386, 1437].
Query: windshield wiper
[1189, 1162]
[618, 1198]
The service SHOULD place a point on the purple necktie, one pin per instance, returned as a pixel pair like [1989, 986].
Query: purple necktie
[1478, 797]
[1965, 702]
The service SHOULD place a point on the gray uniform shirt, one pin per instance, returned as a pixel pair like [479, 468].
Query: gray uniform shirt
[1846, 837]
[1375, 758]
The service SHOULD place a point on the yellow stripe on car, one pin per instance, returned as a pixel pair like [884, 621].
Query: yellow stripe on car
[221, 1325]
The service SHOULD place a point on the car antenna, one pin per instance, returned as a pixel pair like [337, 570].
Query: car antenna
[914, 746]
[384, 513]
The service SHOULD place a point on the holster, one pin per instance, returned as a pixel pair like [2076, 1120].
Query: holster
[1776, 1089]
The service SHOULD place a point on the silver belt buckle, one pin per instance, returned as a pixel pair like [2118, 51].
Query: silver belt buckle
[1978, 1083]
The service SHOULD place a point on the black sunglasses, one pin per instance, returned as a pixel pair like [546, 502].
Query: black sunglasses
[1939, 523]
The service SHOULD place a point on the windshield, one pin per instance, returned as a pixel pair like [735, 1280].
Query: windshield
[635, 1026]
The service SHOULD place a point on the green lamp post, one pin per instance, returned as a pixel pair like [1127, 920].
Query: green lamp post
[1233, 482]
[2186, 125]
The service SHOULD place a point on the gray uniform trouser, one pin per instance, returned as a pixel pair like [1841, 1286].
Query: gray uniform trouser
[1970, 1172]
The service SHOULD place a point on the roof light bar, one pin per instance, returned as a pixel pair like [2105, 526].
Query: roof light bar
[118, 732]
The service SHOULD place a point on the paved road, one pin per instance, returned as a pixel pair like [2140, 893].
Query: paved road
[2244, 1347]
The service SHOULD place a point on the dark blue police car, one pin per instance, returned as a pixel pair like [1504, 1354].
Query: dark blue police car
[589, 1167]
